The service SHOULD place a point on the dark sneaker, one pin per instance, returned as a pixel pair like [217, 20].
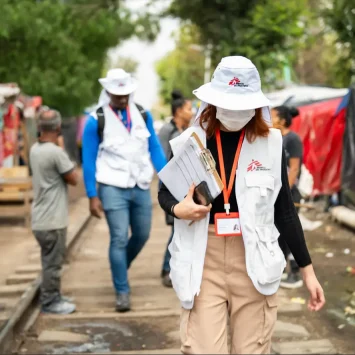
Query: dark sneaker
[60, 307]
[293, 281]
[123, 303]
[166, 279]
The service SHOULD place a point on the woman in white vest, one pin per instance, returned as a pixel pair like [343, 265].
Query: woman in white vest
[221, 274]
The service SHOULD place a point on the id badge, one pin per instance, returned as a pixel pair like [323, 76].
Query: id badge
[227, 225]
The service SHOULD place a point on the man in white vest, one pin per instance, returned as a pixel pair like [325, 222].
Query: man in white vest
[119, 144]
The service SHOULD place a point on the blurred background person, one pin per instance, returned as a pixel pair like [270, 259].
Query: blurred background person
[60, 139]
[119, 143]
[52, 171]
[181, 110]
[282, 119]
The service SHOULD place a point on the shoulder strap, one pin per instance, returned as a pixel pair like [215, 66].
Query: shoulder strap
[143, 112]
[100, 122]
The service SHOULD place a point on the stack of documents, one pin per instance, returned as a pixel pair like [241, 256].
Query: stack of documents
[192, 165]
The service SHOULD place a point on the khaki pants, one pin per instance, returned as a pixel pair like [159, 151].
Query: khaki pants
[228, 296]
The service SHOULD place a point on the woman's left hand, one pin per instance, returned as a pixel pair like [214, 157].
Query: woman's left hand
[317, 299]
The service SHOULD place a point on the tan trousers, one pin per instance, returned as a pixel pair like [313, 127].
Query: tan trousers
[228, 296]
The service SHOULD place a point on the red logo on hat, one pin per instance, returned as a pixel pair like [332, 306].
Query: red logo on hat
[120, 84]
[235, 81]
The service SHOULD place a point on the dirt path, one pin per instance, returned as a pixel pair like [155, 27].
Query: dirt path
[332, 240]
[152, 325]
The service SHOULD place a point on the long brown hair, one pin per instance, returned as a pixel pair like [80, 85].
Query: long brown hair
[256, 127]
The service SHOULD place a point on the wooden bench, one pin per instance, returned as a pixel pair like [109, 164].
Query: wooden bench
[16, 193]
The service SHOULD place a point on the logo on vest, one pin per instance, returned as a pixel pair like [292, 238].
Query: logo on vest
[256, 166]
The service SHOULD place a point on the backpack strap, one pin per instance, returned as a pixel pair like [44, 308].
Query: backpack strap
[143, 112]
[101, 119]
[100, 122]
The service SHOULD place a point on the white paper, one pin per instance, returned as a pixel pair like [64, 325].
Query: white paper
[185, 169]
[228, 226]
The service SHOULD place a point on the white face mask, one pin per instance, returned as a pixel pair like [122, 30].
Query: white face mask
[234, 120]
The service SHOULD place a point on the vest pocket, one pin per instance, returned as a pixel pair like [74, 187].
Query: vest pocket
[259, 191]
[269, 259]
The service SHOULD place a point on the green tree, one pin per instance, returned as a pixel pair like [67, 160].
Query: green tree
[57, 49]
[266, 31]
[183, 67]
[340, 17]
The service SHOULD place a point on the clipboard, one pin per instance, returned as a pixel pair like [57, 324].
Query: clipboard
[208, 161]
[192, 165]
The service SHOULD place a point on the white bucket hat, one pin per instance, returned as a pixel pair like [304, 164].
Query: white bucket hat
[235, 86]
[118, 82]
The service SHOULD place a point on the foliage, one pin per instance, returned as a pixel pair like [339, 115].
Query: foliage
[182, 68]
[57, 49]
[266, 31]
[340, 17]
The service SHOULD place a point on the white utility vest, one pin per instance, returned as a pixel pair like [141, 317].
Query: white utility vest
[257, 185]
[123, 159]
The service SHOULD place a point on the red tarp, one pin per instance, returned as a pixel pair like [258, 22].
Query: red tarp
[321, 132]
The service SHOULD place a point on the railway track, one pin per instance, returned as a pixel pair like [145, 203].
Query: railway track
[20, 293]
[96, 327]
[152, 327]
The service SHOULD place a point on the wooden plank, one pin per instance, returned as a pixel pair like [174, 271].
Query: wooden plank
[10, 196]
[21, 184]
[14, 172]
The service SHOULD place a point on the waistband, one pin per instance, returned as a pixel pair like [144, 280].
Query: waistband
[212, 232]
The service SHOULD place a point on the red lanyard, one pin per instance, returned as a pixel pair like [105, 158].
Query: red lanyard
[128, 127]
[227, 192]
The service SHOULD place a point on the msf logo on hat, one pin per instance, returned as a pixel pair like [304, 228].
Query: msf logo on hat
[236, 82]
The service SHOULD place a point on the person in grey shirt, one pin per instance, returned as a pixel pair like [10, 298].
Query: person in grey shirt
[52, 171]
[182, 113]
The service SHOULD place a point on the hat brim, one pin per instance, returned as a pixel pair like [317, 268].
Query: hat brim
[231, 101]
[116, 90]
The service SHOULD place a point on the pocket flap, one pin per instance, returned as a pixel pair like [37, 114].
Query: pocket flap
[141, 133]
[272, 300]
[262, 181]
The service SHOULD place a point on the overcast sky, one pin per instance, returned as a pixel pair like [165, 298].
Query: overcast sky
[147, 54]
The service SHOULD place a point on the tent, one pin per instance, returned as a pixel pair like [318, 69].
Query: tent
[321, 133]
[302, 95]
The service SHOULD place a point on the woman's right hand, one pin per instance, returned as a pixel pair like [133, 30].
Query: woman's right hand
[189, 210]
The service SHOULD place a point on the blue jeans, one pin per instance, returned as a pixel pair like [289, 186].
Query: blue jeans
[125, 208]
[167, 256]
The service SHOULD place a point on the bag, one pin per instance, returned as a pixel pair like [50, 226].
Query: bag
[101, 119]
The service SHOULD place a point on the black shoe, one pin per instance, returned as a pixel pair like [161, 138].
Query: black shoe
[293, 281]
[123, 303]
[166, 279]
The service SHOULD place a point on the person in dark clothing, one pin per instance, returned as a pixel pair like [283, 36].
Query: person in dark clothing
[282, 119]
[181, 110]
